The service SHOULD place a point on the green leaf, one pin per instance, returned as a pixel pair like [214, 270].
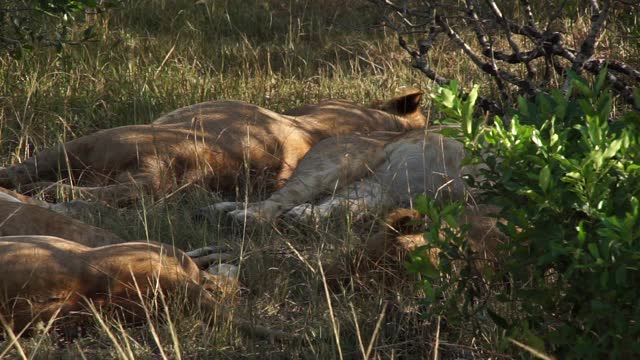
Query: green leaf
[450, 132]
[448, 98]
[582, 235]
[535, 137]
[602, 76]
[422, 204]
[424, 266]
[450, 219]
[593, 250]
[581, 85]
[428, 289]
[523, 105]
[473, 96]
[598, 158]
[612, 149]
[544, 178]
[467, 111]
[604, 106]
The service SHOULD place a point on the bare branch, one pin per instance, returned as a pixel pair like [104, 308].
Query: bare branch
[420, 63]
[519, 58]
[528, 31]
[527, 8]
[514, 69]
[526, 86]
[621, 68]
[589, 44]
[626, 91]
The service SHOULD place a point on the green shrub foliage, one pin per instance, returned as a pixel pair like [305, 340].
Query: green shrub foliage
[565, 171]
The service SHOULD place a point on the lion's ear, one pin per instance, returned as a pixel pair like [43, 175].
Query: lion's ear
[407, 102]
[217, 284]
[404, 221]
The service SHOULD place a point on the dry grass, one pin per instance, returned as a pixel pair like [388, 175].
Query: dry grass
[153, 56]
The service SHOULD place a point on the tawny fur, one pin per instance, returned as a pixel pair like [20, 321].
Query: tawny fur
[214, 144]
[381, 169]
[18, 218]
[12, 196]
[44, 276]
[403, 232]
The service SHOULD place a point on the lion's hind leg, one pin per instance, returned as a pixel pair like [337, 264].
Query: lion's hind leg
[120, 194]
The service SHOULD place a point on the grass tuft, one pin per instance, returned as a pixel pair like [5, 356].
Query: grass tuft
[153, 56]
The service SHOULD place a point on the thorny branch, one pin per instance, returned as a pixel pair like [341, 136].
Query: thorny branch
[518, 55]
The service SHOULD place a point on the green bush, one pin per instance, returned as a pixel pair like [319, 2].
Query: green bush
[565, 171]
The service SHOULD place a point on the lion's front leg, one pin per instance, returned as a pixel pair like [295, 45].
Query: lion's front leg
[357, 199]
[212, 212]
